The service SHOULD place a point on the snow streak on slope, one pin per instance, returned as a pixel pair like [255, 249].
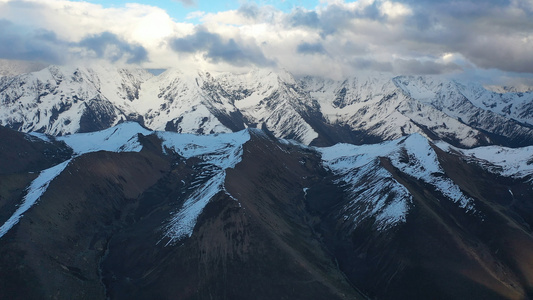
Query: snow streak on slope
[374, 193]
[121, 138]
[219, 152]
[35, 191]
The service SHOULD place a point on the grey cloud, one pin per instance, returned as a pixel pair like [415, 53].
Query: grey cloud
[299, 17]
[38, 45]
[487, 33]
[333, 19]
[355, 48]
[187, 2]
[310, 48]
[456, 3]
[216, 49]
[371, 64]
[18, 42]
[101, 43]
[46, 35]
[249, 10]
[502, 53]
[371, 12]
[415, 66]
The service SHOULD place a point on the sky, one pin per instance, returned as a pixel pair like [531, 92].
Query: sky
[488, 41]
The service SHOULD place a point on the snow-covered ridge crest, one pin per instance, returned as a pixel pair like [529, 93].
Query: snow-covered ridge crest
[120, 138]
[218, 151]
[374, 192]
[508, 162]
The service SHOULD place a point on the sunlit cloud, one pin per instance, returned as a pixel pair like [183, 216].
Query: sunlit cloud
[336, 38]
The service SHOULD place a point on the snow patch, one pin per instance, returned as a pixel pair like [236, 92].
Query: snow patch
[182, 222]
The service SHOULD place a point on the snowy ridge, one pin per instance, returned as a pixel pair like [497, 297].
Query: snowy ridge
[220, 152]
[472, 104]
[121, 138]
[376, 104]
[516, 105]
[274, 100]
[393, 107]
[34, 192]
[374, 192]
[508, 162]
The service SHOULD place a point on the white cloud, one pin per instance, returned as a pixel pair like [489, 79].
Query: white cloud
[394, 10]
[335, 39]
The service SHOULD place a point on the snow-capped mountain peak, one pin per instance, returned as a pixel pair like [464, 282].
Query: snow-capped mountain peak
[367, 108]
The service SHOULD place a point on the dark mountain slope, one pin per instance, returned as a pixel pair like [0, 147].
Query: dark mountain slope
[247, 216]
[20, 152]
[252, 241]
[442, 250]
[55, 250]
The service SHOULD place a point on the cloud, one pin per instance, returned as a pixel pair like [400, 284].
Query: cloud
[249, 10]
[43, 45]
[490, 34]
[109, 46]
[310, 48]
[187, 3]
[372, 65]
[420, 67]
[301, 17]
[397, 36]
[21, 43]
[216, 48]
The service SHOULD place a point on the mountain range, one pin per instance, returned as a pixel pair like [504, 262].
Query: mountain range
[118, 184]
[313, 111]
